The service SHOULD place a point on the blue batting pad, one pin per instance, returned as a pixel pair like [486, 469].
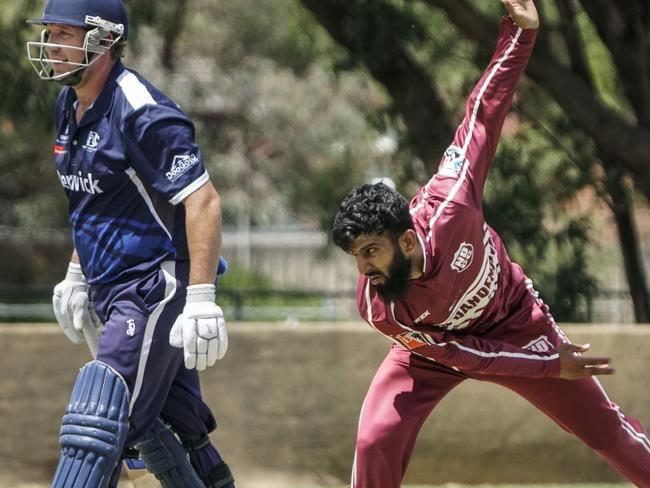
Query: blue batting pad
[166, 458]
[94, 428]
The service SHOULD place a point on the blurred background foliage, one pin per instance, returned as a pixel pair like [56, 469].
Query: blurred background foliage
[297, 101]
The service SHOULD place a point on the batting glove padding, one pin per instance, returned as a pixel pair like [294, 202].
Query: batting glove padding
[201, 329]
[71, 304]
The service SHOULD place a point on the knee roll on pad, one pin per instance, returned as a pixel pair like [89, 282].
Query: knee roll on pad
[166, 458]
[93, 429]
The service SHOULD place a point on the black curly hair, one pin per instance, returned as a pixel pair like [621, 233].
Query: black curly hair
[371, 209]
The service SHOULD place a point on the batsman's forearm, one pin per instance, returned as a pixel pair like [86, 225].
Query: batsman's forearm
[204, 255]
[203, 227]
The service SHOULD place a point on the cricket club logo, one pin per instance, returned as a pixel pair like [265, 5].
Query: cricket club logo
[452, 162]
[92, 141]
[463, 257]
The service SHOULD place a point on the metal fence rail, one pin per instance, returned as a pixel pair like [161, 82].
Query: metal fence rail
[29, 303]
[241, 304]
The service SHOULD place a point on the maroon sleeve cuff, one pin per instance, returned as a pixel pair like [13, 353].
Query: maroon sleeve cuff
[508, 26]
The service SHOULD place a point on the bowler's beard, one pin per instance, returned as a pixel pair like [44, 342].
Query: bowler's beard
[397, 282]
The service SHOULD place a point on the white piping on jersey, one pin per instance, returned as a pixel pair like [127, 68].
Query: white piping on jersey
[535, 294]
[353, 479]
[468, 139]
[503, 353]
[169, 271]
[480, 292]
[639, 437]
[472, 121]
[369, 302]
[424, 337]
[135, 92]
[449, 198]
[189, 189]
[145, 196]
[424, 253]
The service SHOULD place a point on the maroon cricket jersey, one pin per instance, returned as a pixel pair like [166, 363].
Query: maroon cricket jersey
[469, 286]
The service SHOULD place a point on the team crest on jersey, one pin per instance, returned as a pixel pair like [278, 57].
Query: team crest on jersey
[452, 162]
[463, 257]
[180, 166]
[541, 344]
[478, 296]
[92, 141]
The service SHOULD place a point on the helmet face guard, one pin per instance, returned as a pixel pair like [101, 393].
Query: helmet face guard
[96, 43]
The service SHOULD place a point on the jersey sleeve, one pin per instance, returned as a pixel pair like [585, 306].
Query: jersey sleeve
[471, 354]
[162, 151]
[464, 166]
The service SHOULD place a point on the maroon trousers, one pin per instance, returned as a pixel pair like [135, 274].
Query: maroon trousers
[406, 388]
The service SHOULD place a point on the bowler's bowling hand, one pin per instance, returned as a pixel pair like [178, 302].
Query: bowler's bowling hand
[201, 329]
[574, 366]
[523, 12]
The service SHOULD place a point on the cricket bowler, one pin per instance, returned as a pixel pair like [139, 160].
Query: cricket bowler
[435, 279]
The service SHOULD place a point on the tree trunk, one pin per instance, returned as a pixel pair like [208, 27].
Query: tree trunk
[173, 19]
[624, 27]
[622, 207]
[618, 195]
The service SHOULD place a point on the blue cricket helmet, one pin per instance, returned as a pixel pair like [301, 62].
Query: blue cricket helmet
[78, 12]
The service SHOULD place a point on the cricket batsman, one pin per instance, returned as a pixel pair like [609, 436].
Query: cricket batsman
[437, 281]
[146, 224]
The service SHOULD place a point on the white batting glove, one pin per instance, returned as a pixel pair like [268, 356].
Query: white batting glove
[71, 304]
[201, 329]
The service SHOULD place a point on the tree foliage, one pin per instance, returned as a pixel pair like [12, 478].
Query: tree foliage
[297, 101]
[26, 120]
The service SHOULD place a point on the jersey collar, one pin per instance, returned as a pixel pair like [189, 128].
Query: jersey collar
[104, 102]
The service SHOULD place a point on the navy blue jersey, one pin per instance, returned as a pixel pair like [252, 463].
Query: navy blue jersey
[125, 168]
